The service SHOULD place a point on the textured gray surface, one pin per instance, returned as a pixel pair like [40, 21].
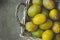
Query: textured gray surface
[9, 28]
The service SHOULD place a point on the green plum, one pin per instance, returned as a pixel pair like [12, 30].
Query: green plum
[37, 2]
[30, 26]
[37, 33]
[47, 35]
[56, 27]
[46, 25]
[33, 10]
[45, 12]
[48, 4]
[59, 5]
[58, 37]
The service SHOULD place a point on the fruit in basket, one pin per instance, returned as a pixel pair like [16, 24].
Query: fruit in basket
[49, 4]
[37, 33]
[54, 14]
[46, 25]
[39, 19]
[37, 2]
[47, 35]
[30, 26]
[33, 10]
[59, 5]
[56, 27]
[45, 12]
[58, 37]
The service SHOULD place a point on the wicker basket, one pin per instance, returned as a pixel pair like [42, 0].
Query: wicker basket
[25, 33]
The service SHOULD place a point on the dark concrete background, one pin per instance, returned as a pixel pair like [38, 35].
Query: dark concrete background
[9, 28]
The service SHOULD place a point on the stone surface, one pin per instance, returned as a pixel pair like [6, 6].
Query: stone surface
[9, 28]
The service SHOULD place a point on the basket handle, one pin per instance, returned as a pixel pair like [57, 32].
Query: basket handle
[17, 9]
